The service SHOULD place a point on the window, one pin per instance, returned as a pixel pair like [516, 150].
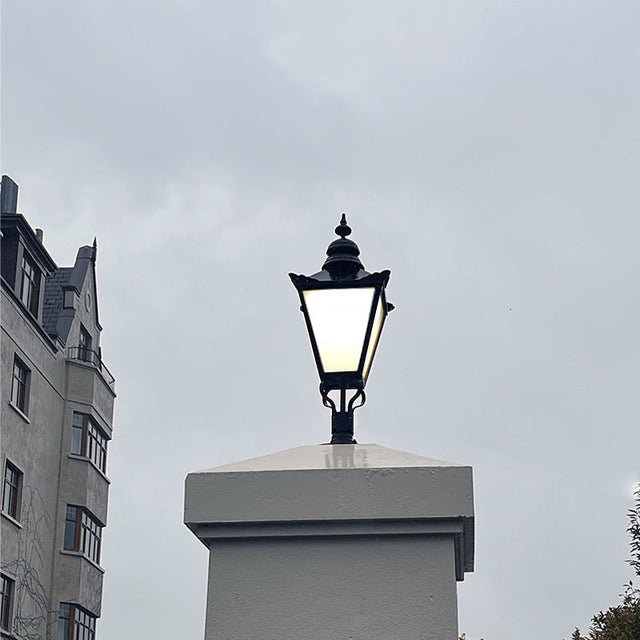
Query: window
[84, 350]
[20, 385]
[11, 490]
[82, 532]
[30, 285]
[6, 593]
[74, 623]
[87, 439]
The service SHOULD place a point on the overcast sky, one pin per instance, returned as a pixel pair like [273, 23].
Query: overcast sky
[487, 152]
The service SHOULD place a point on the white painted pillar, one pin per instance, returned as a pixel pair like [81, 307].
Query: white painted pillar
[333, 542]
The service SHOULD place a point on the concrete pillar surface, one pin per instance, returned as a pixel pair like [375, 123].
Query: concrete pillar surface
[333, 542]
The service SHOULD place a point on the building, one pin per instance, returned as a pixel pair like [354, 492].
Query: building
[57, 412]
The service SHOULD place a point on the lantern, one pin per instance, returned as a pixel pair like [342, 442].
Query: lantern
[344, 308]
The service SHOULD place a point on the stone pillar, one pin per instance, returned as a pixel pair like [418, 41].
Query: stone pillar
[333, 542]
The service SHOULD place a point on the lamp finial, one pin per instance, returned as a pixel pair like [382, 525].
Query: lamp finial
[343, 229]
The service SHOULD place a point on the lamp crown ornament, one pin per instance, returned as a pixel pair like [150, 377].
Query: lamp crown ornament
[344, 308]
[343, 229]
[342, 261]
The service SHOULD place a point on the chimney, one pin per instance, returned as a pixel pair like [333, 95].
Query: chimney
[40, 235]
[8, 196]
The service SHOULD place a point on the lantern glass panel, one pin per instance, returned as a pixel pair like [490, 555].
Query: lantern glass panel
[339, 318]
[373, 340]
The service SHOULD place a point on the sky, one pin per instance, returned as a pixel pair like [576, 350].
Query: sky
[486, 152]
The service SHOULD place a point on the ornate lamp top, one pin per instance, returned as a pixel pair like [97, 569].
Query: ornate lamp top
[343, 262]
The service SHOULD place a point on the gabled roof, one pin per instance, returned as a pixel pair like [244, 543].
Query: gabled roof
[56, 318]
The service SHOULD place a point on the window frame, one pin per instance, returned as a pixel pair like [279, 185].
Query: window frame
[30, 277]
[75, 623]
[12, 490]
[85, 530]
[7, 590]
[20, 383]
[85, 345]
[93, 440]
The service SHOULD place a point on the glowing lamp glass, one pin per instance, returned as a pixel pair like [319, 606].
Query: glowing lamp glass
[339, 319]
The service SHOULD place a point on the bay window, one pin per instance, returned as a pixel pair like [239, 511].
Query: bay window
[82, 532]
[88, 440]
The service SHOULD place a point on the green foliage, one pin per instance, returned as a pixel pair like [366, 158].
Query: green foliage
[634, 531]
[622, 622]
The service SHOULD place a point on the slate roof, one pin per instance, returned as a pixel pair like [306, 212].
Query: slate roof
[53, 298]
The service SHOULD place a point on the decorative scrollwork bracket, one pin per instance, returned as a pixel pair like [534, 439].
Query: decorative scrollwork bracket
[342, 419]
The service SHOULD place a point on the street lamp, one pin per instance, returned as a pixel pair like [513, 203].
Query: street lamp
[344, 308]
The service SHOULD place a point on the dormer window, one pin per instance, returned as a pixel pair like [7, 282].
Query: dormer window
[30, 285]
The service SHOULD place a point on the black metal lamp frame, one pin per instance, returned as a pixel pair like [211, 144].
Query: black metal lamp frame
[343, 270]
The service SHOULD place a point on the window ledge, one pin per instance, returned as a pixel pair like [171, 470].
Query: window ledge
[12, 520]
[19, 412]
[79, 554]
[76, 456]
